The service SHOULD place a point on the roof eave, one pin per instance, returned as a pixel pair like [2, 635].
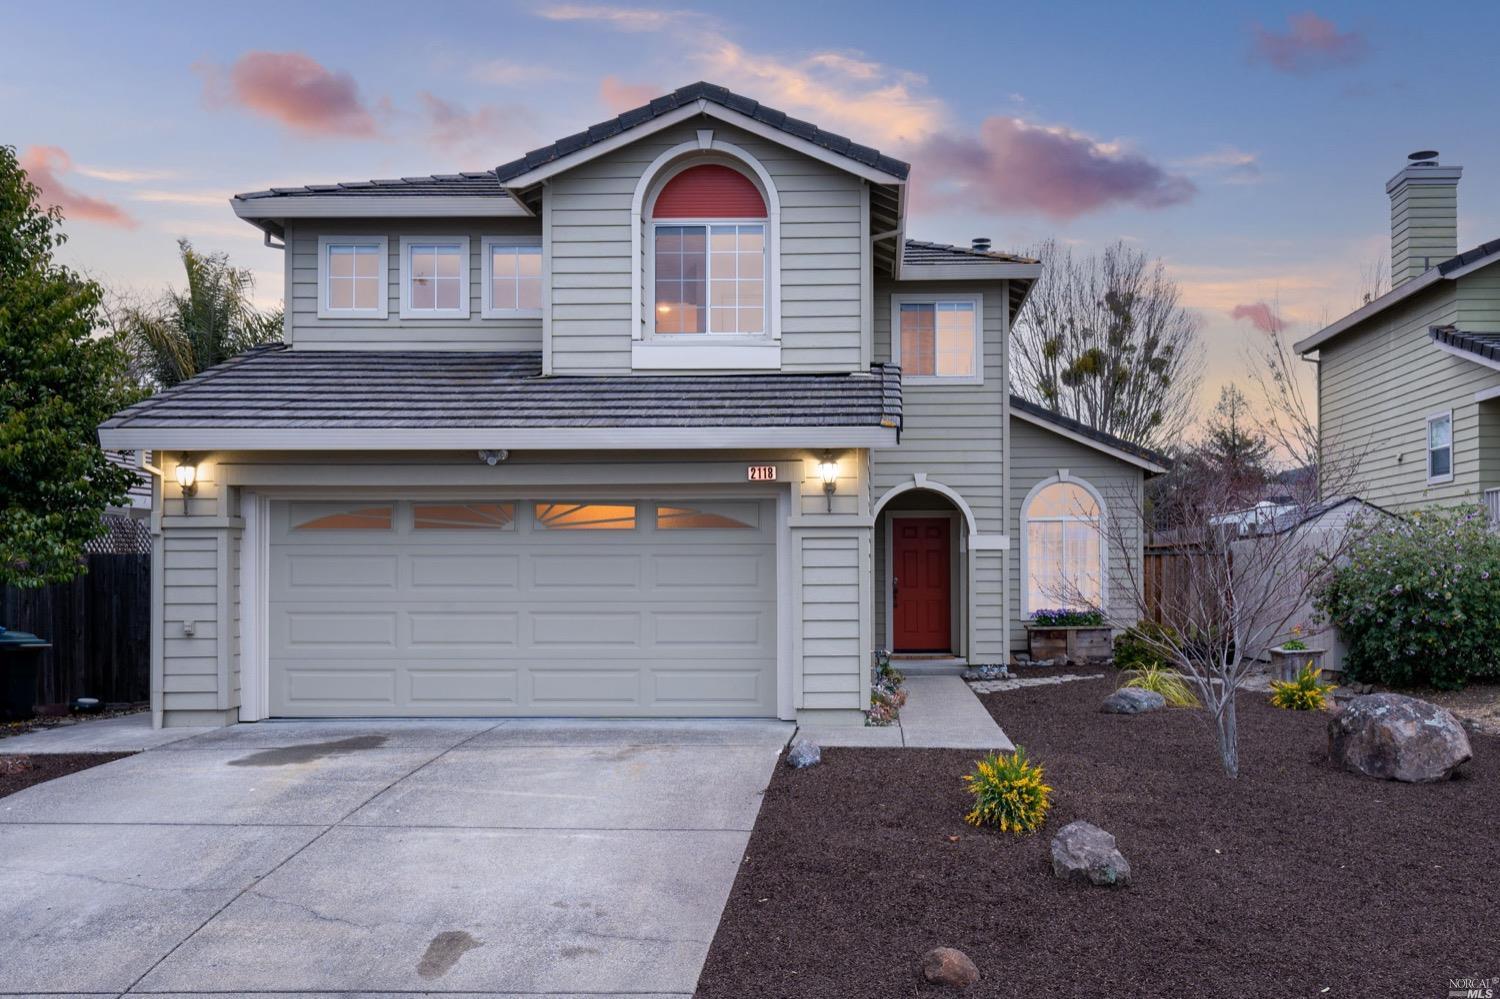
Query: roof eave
[378, 206]
[997, 271]
[1146, 464]
[685, 113]
[1396, 295]
[509, 438]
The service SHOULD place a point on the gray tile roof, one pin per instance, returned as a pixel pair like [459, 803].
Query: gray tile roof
[280, 388]
[919, 252]
[458, 185]
[1482, 345]
[1469, 256]
[715, 94]
[1068, 423]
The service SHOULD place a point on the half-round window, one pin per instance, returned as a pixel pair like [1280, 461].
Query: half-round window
[1064, 549]
[708, 253]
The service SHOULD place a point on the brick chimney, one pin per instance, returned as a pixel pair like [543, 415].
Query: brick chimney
[1424, 216]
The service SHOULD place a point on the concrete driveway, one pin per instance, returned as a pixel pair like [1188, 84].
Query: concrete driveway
[520, 858]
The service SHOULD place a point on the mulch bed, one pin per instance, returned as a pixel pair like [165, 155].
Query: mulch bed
[18, 772]
[1296, 880]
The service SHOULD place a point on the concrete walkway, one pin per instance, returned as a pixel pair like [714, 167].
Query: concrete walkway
[124, 734]
[941, 713]
[520, 858]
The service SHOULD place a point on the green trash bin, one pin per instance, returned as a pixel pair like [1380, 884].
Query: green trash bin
[20, 657]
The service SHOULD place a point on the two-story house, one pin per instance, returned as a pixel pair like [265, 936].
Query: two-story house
[1409, 384]
[666, 418]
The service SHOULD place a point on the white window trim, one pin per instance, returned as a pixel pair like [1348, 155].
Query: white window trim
[487, 308]
[765, 256]
[667, 165]
[464, 309]
[1447, 414]
[381, 311]
[1025, 572]
[977, 378]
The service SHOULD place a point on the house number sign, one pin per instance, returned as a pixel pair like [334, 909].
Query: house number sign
[761, 473]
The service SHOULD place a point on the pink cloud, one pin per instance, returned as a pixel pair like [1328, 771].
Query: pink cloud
[43, 163]
[1260, 316]
[451, 127]
[1310, 43]
[1015, 166]
[295, 90]
[618, 96]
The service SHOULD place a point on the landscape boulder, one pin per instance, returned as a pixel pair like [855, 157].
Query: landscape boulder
[1395, 737]
[948, 966]
[1082, 851]
[803, 754]
[1132, 701]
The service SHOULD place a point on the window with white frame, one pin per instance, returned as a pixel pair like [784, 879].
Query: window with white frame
[1064, 555]
[708, 254]
[937, 339]
[352, 277]
[710, 278]
[434, 277]
[512, 277]
[1440, 447]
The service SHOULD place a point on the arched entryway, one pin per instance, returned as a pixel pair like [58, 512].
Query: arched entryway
[921, 572]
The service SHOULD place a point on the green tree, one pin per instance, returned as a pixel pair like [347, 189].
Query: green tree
[1233, 446]
[190, 330]
[59, 382]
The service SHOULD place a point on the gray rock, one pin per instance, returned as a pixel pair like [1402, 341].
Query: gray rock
[949, 966]
[803, 754]
[1395, 737]
[1132, 701]
[1082, 851]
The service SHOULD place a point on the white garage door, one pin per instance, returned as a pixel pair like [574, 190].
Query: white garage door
[566, 607]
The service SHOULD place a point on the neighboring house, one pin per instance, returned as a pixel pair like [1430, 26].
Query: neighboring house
[667, 418]
[127, 528]
[1409, 384]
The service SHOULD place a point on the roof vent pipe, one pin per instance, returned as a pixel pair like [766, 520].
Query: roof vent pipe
[980, 244]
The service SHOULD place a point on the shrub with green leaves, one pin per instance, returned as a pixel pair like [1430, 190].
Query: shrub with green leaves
[1418, 601]
[1141, 645]
[1008, 793]
[1307, 692]
[1165, 681]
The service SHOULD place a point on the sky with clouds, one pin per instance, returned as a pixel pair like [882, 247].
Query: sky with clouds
[1246, 145]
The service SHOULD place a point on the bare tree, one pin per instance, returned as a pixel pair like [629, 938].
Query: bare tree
[1238, 589]
[1105, 340]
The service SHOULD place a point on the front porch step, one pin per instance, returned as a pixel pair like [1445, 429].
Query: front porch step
[920, 666]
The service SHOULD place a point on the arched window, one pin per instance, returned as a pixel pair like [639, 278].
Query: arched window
[707, 248]
[1064, 558]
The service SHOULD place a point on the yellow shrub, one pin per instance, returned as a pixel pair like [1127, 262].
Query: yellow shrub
[1306, 693]
[1008, 793]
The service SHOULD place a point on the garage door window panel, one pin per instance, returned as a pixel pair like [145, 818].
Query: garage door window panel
[707, 517]
[575, 516]
[464, 516]
[342, 517]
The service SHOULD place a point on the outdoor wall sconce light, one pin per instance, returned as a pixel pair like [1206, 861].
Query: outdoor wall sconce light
[187, 478]
[828, 468]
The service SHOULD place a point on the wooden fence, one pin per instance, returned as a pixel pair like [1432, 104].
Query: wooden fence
[99, 625]
[1168, 573]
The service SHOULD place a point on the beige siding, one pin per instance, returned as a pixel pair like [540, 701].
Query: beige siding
[955, 435]
[830, 556]
[1038, 454]
[821, 250]
[393, 332]
[1380, 382]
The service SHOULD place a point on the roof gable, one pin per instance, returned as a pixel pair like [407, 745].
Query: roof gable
[1116, 447]
[685, 102]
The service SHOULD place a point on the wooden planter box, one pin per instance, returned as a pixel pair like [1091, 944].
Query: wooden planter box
[1287, 663]
[1078, 644]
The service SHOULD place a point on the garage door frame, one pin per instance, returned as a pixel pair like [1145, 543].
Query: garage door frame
[255, 558]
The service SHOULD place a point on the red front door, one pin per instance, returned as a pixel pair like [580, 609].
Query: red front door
[920, 584]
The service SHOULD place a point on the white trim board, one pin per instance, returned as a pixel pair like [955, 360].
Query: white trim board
[510, 438]
[336, 206]
[1087, 441]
